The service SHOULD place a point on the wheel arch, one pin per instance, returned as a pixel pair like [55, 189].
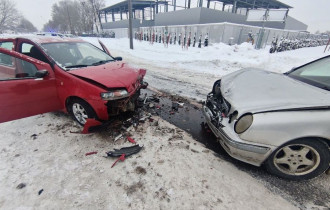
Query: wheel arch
[316, 138]
[71, 98]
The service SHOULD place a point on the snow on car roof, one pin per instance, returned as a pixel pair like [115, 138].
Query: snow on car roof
[46, 39]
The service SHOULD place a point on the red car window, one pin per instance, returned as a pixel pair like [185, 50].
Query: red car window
[13, 68]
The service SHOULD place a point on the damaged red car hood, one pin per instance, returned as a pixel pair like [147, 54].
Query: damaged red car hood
[112, 75]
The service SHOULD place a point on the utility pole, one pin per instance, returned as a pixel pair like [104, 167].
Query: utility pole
[130, 15]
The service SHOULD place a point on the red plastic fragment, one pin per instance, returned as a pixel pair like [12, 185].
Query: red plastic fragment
[131, 140]
[90, 123]
[90, 153]
[121, 158]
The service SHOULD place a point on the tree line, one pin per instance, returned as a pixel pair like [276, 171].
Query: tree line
[11, 20]
[67, 16]
[75, 17]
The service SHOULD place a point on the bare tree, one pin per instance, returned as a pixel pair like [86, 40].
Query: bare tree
[96, 5]
[86, 16]
[75, 16]
[25, 26]
[9, 16]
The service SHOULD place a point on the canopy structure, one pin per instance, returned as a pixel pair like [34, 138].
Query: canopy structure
[153, 6]
[137, 5]
[252, 4]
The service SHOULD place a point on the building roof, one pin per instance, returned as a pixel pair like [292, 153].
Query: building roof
[141, 4]
[123, 6]
[270, 4]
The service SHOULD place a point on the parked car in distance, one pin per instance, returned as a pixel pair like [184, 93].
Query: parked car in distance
[281, 121]
[49, 34]
[40, 74]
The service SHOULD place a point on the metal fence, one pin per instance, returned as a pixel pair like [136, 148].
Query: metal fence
[228, 33]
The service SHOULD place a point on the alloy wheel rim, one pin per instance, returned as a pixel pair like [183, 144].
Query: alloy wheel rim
[296, 159]
[79, 113]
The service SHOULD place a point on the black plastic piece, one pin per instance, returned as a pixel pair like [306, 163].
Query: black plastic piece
[125, 150]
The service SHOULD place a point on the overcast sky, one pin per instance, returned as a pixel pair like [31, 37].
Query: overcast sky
[314, 13]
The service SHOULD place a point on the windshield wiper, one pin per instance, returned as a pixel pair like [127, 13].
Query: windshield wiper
[76, 66]
[101, 62]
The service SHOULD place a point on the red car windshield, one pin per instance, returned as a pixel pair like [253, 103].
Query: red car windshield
[70, 55]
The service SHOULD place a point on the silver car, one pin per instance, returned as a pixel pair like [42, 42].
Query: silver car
[281, 121]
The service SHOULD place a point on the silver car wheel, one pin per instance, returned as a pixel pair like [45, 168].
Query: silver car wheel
[296, 159]
[79, 113]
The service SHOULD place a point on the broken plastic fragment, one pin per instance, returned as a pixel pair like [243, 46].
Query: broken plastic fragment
[90, 153]
[118, 137]
[121, 158]
[131, 140]
[125, 150]
[90, 123]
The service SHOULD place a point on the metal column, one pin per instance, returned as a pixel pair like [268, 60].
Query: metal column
[234, 7]
[150, 12]
[154, 12]
[156, 6]
[130, 24]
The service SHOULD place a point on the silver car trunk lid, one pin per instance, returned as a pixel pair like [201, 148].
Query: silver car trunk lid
[254, 90]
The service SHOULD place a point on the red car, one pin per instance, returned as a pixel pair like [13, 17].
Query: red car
[44, 74]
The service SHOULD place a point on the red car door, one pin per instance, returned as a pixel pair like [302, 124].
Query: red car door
[27, 86]
[105, 49]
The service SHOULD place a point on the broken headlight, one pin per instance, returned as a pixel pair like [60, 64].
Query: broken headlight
[114, 95]
[243, 123]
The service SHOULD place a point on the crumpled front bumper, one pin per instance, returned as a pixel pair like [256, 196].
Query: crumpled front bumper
[254, 154]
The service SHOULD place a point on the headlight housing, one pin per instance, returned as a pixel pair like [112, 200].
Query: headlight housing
[114, 94]
[243, 123]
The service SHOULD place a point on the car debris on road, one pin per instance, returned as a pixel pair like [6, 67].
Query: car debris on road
[123, 153]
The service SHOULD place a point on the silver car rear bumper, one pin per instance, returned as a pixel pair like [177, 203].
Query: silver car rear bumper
[236, 147]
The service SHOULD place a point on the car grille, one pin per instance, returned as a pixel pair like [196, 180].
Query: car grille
[218, 105]
[122, 105]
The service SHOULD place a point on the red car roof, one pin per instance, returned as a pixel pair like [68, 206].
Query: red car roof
[45, 39]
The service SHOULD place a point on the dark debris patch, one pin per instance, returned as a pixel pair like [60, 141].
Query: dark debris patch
[140, 170]
[21, 186]
[131, 189]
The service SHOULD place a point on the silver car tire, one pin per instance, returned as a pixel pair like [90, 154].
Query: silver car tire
[81, 110]
[299, 159]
